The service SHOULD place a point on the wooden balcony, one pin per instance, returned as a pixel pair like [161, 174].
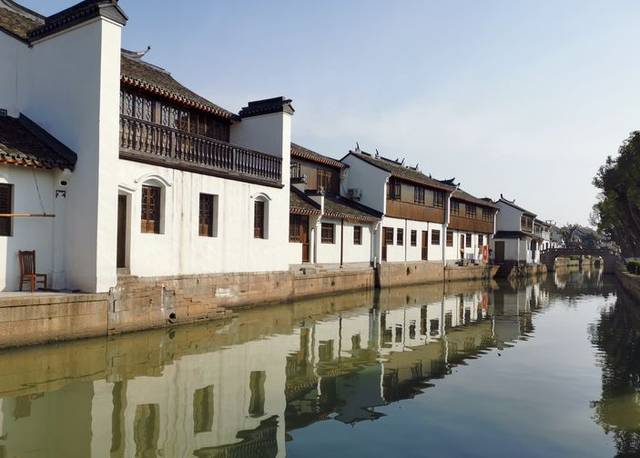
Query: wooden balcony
[416, 212]
[144, 141]
[461, 223]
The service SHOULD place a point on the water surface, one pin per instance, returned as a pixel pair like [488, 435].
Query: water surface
[547, 368]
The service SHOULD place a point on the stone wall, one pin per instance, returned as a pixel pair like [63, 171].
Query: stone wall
[512, 270]
[147, 303]
[629, 282]
[29, 319]
[413, 273]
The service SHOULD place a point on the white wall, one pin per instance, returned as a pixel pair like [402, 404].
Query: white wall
[69, 83]
[329, 253]
[367, 178]
[508, 218]
[12, 55]
[30, 233]
[179, 249]
[406, 252]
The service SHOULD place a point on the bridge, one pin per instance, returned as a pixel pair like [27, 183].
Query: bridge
[609, 258]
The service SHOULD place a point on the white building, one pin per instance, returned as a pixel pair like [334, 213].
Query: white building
[516, 239]
[325, 226]
[165, 181]
[424, 219]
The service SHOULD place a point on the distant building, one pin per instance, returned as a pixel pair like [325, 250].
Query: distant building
[517, 240]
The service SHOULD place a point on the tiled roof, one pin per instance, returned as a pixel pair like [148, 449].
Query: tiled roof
[22, 142]
[299, 204]
[301, 152]
[515, 235]
[512, 204]
[138, 73]
[466, 197]
[267, 106]
[30, 26]
[17, 24]
[398, 170]
[340, 207]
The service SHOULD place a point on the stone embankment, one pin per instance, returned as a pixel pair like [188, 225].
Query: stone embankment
[146, 303]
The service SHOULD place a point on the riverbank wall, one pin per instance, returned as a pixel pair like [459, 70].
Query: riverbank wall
[145, 303]
[513, 270]
[629, 282]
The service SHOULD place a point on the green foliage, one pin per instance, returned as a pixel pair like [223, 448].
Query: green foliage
[633, 266]
[617, 212]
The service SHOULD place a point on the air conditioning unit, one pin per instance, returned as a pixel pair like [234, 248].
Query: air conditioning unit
[354, 193]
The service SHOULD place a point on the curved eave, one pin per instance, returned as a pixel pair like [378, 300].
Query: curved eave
[33, 163]
[139, 84]
[303, 211]
[357, 219]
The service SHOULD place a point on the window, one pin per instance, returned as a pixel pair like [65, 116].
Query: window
[207, 223]
[324, 179]
[394, 189]
[470, 210]
[438, 199]
[468, 242]
[6, 206]
[296, 170]
[435, 237]
[298, 227]
[258, 219]
[257, 399]
[151, 201]
[357, 235]
[400, 237]
[455, 208]
[203, 409]
[328, 233]
[480, 240]
[388, 235]
[449, 238]
[414, 238]
[487, 214]
[418, 195]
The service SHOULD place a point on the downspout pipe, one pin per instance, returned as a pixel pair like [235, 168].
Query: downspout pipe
[447, 219]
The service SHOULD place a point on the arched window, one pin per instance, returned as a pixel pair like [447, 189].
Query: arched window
[261, 217]
[152, 207]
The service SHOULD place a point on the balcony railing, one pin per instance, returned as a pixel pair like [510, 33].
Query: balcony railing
[150, 142]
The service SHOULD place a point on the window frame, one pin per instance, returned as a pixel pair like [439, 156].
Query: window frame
[357, 235]
[419, 194]
[151, 213]
[324, 238]
[435, 233]
[468, 242]
[455, 208]
[207, 229]
[6, 206]
[438, 198]
[388, 234]
[259, 224]
[400, 236]
[394, 189]
[450, 238]
[414, 237]
[470, 211]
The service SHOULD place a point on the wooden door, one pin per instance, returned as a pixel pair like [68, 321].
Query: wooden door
[304, 237]
[425, 245]
[122, 232]
[387, 239]
[499, 252]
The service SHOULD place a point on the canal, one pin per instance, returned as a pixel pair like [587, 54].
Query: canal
[546, 368]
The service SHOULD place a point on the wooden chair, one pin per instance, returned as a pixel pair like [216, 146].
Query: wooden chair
[27, 260]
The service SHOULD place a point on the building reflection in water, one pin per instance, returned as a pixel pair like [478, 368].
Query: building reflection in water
[617, 337]
[238, 388]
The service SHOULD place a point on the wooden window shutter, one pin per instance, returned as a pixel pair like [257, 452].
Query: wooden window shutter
[258, 219]
[150, 217]
[5, 207]
[205, 228]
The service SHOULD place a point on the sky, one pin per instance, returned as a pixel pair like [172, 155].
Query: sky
[512, 97]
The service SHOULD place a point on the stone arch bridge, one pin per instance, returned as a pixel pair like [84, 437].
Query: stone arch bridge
[609, 258]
